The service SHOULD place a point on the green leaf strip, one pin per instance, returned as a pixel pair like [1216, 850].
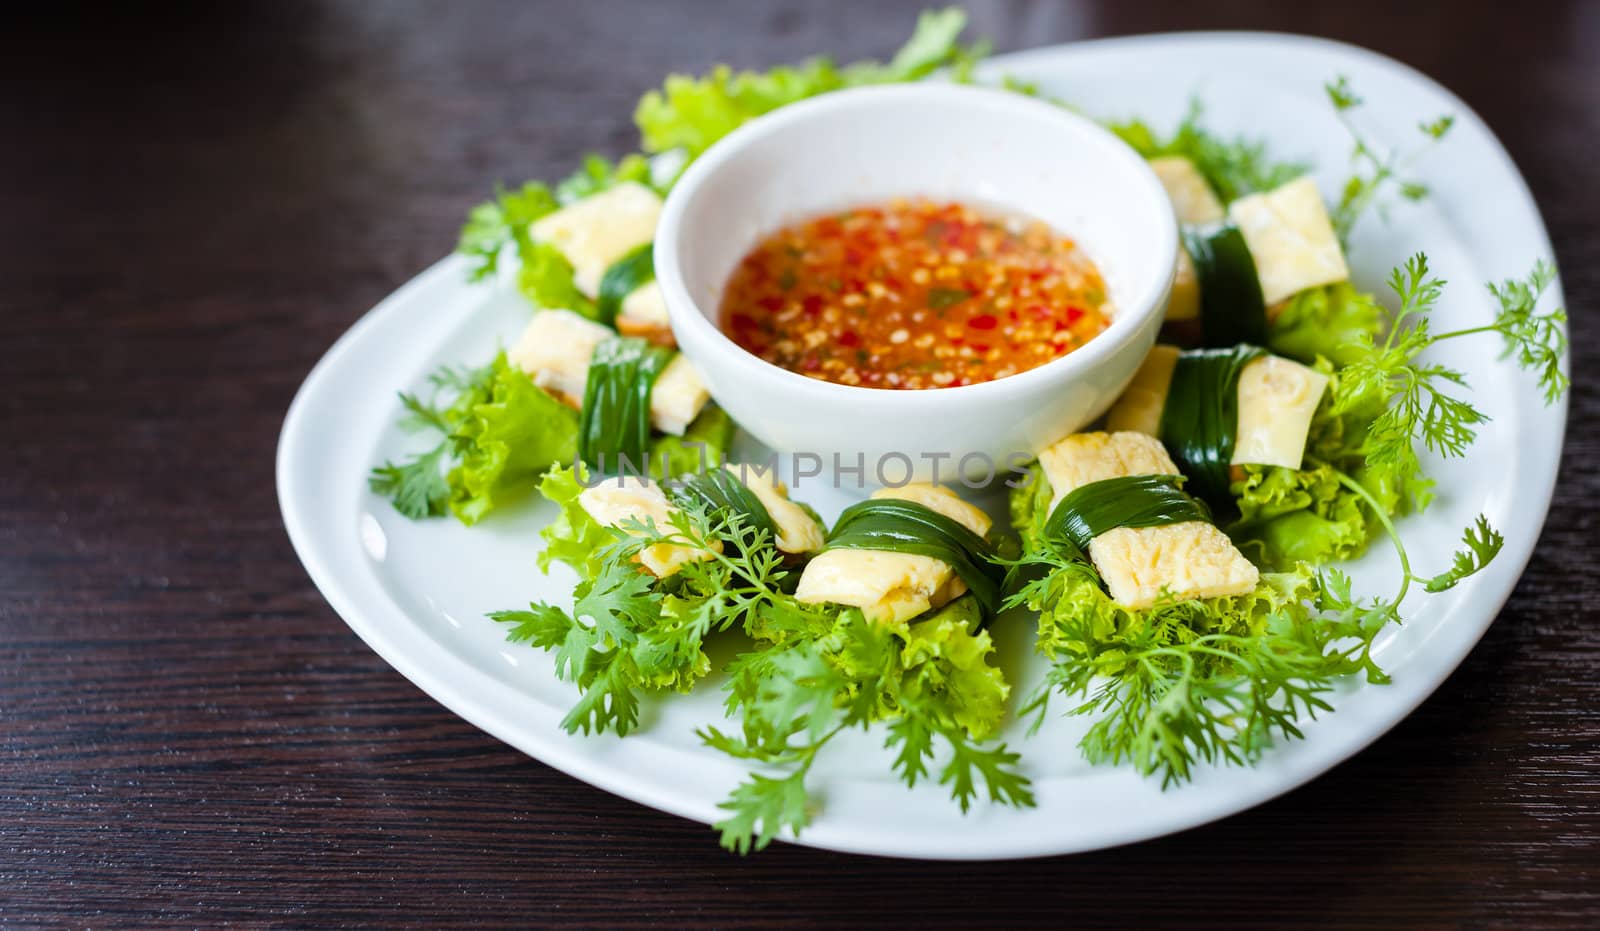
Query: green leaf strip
[614, 426]
[894, 526]
[718, 490]
[1232, 310]
[1201, 419]
[626, 275]
[1130, 501]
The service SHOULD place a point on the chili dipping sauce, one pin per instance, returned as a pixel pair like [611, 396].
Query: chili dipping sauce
[914, 294]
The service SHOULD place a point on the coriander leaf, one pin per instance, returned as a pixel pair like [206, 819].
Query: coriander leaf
[914, 737]
[930, 47]
[1340, 93]
[608, 701]
[1373, 171]
[731, 745]
[1214, 680]
[542, 625]
[1414, 397]
[618, 602]
[996, 767]
[1538, 342]
[1482, 544]
[1232, 166]
[503, 221]
[668, 653]
[761, 808]
[1352, 619]
[422, 415]
[575, 655]
[545, 276]
[796, 695]
[461, 379]
[631, 633]
[1436, 128]
[417, 486]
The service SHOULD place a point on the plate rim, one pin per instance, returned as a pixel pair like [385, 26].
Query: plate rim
[567, 754]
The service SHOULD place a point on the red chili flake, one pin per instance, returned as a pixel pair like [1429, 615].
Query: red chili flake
[772, 304]
[1039, 311]
[811, 363]
[983, 322]
[812, 305]
[849, 338]
[980, 347]
[1074, 314]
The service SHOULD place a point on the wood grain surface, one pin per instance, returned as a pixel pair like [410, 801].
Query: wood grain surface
[196, 201]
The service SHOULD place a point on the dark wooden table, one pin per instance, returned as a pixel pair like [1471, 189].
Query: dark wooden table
[195, 202]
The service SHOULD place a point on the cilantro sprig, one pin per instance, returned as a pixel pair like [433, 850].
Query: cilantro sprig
[1219, 680]
[1373, 169]
[833, 671]
[417, 485]
[630, 633]
[1233, 166]
[1419, 399]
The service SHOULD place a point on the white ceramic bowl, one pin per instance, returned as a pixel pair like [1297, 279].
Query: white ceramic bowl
[945, 142]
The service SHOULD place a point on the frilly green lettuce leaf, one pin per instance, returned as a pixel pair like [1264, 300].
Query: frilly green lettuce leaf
[573, 537]
[508, 442]
[511, 438]
[1208, 681]
[1290, 516]
[947, 663]
[1078, 621]
[1030, 506]
[599, 174]
[939, 663]
[545, 278]
[1327, 322]
[544, 275]
[690, 114]
[501, 221]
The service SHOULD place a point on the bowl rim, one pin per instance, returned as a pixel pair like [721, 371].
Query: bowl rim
[1149, 297]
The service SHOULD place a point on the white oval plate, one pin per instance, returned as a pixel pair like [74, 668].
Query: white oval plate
[417, 592]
